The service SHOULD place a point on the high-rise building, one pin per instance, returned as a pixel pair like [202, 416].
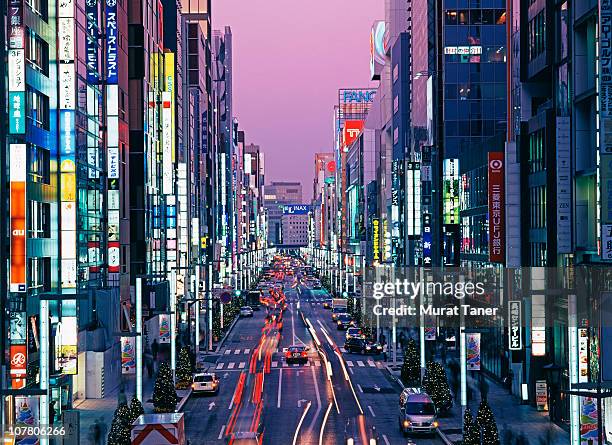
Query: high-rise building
[276, 195]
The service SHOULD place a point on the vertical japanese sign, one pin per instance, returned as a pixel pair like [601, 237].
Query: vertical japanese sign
[605, 126]
[167, 127]
[427, 240]
[18, 217]
[112, 148]
[450, 175]
[515, 337]
[67, 105]
[564, 186]
[497, 241]
[91, 48]
[16, 67]
[473, 351]
[376, 240]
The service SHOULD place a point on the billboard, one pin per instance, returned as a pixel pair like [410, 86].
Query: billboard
[427, 240]
[450, 184]
[377, 49]
[18, 364]
[296, 209]
[350, 132]
[66, 346]
[18, 217]
[496, 201]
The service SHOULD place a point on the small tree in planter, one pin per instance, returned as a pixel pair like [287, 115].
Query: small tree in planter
[136, 409]
[436, 385]
[471, 432]
[411, 368]
[119, 433]
[486, 421]
[164, 394]
[184, 374]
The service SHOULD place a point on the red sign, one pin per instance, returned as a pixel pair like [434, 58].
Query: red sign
[497, 202]
[18, 365]
[18, 218]
[350, 132]
[331, 166]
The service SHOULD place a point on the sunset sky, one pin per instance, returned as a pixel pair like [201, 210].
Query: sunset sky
[289, 60]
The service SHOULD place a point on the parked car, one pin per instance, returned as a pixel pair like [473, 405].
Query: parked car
[205, 382]
[417, 412]
[362, 346]
[246, 311]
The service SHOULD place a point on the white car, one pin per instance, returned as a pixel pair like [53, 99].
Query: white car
[205, 382]
[246, 311]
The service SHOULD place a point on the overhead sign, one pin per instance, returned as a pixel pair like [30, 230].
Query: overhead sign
[497, 223]
[296, 209]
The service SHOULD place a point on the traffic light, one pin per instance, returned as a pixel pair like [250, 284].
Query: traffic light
[237, 293]
[345, 294]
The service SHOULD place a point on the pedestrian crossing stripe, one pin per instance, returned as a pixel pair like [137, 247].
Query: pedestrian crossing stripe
[231, 365]
[360, 363]
[220, 365]
[371, 363]
[237, 351]
[349, 363]
[247, 350]
[274, 364]
[241, 365]
[228, 351]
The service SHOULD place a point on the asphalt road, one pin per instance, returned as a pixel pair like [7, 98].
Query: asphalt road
[333, 395]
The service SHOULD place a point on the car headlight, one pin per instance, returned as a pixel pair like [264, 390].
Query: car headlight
[367, 347]
[406, 423]
[435, 424]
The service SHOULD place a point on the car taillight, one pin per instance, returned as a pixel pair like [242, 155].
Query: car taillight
[288, 354]
[304, 354]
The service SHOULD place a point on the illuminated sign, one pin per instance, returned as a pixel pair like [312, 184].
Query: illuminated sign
[111, 42]
[377, 49]
[167, 166]
[451, 191]
[350, 132]
[538, 325]
[91, 48]
[16, 110]
[18, 327]
[427, 240]
[413, 197]
[16, 30]
[296, 209]
[18, 217]
[463, 50]
[515, 338]
[16, 69]
[473, 351]
[376, 239]
[66, 346]
[18, 365]
[358, 96]
[497, 241]
[128, 355]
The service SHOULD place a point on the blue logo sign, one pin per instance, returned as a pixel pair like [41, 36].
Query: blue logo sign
[358, 96]
[111, 42]
[16, 107]
[296, 209]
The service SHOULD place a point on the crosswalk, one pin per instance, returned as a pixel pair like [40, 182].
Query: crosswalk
[367, 364]
[275, 364]
[236, 351]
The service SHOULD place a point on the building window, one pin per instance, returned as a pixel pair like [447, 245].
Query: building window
[39, 222]
[537, 35]
[38, 109]
[537, 154]
[40, 7]
[39, 164]
[37, 53]
[39, 274]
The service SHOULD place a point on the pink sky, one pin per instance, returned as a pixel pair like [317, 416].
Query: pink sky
[290, 58]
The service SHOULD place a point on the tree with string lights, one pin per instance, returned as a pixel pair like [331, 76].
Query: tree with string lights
[119, 433]
[411, 368]
[184, 374]
[164, 394]
[471, 432]
[488, 426]
[435, 383]
[136, 409]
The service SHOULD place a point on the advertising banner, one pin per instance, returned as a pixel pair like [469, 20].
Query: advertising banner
[427, 240]
[18, 327]
[350, 132]
[66, 346]
[588, 421]
[26, 410]
[473, 351]
[128, 355]
[18, 217]
[164, 328]
[605, 120]
[18, 363]
[497, 237]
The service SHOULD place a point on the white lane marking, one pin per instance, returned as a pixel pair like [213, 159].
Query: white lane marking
[220, 365]
[360, 363]
[280, 385]
[385, 439]
[324, 423]
[247, 350]
[228, 351]
[371, 363]
[274, 364]
[359, 386]
[351, 371]
[221, 433]
[343, 350]
[349, 363]
[371, 411]
[318, 394]
[241, 365]
[292, 326]
[231, 365]
[237, 351]
[297, 431]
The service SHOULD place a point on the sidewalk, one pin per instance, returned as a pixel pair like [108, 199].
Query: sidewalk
[91, 410]
[510, 415]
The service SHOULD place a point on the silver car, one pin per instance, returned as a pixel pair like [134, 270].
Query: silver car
[246, 311]
[417, 412]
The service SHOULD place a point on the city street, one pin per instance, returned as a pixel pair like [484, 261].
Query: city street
[312, 402]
